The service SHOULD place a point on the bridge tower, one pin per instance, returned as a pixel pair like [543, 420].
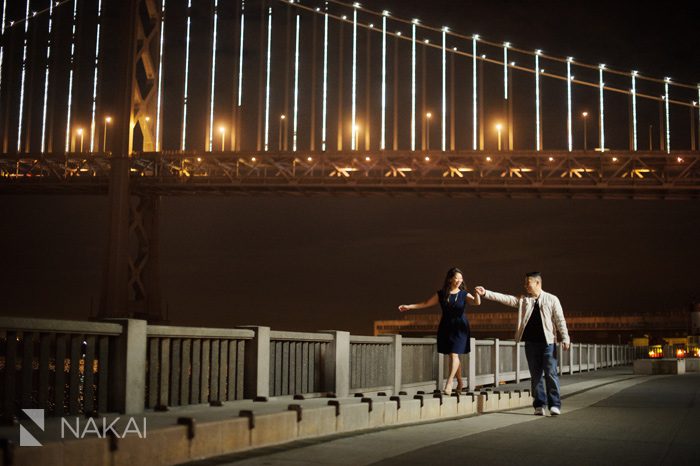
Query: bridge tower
[131, 286]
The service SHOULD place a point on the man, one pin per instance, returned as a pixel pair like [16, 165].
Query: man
[538, 313]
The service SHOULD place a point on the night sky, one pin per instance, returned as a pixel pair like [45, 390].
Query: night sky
[341, 263]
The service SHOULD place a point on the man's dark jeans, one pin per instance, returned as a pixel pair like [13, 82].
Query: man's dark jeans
[542, 361]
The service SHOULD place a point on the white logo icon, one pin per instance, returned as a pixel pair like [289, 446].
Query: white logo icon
[25, 438]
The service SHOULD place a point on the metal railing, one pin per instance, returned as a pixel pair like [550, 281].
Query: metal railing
[125, 365]
[57, 365]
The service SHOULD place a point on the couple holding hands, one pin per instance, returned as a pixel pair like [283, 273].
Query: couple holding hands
[539, 313]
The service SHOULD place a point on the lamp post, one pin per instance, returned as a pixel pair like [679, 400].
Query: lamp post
[357, 131]
[498, 130]
[282, 121]
[108, 120]
[585, 130]
[428, 116]
[222, 130]
[80, 133]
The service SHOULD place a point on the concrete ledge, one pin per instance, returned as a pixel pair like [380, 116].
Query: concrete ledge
[164, 446]
[352, 417]
[466, 405]
[274, 428]
[692, 365]
[409, 411]
[317, 421]
[431, 408]
[659, 366]
[486, 402]
[448, 408]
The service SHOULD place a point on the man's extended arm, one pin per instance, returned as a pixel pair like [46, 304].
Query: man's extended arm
[506, 299]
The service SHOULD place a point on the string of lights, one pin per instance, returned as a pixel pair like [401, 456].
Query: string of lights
[512, 65]
[519, 50]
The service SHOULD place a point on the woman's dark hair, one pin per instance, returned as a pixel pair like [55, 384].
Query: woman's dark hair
[446, 287]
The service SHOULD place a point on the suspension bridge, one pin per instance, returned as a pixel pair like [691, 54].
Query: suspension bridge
[139, 99]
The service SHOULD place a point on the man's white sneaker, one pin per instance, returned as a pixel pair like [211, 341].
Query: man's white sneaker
[539, 411]
[554, 411]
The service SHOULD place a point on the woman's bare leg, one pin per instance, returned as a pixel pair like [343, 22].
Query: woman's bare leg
[453, 367]
[458, 375]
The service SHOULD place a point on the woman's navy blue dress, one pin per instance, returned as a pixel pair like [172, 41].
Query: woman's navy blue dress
[453, 331]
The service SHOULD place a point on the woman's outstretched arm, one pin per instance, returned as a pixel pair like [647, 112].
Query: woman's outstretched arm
[474, 300]
[430, 302]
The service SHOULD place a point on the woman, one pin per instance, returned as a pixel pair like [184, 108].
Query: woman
[453, 331]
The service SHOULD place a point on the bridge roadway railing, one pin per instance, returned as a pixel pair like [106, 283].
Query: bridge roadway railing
[614, 174]
[125, 365]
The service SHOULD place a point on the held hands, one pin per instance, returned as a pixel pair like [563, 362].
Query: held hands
[566, 346]
[404, 307]
[480, 290]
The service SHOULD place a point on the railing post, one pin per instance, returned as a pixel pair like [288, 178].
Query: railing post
[595, 357]
[588, 357]
[127, 367]
[396, 343]
[571, 359]
[516, 358]
[440, 371]
[496, 358]
[256, 381]
[580, 358]
[336, 364]
[560, 360]
[471, 383]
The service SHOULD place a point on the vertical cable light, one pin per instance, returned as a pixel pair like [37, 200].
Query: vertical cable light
[444, 88]
[240, 56]
[183, 143]
[267, 79]
[159, 99]
[382, 143]
[24, 74]
[324, 109]
[634, 110]
[413, 85]
[602, 109]
[212, 84]
[538, 144]
[474, 103]
[95, 76]
[2, 34]
[296, 86]
[505, 69]
[70, 76]
[354, 76]
[569, 122]
[46, 79]
[668, 116]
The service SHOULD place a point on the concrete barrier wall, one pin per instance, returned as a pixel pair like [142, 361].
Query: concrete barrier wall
[153, 366]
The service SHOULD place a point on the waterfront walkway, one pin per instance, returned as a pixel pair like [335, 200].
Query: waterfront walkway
[609, 417]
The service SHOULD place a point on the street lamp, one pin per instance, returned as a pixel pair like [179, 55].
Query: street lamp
[282, 121]
[222, 130]
[428, 116]
[585, 130]
[498, 129]
[80, 133]
[108, 120]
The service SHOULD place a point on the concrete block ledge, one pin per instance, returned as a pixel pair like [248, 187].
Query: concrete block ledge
[266, 424]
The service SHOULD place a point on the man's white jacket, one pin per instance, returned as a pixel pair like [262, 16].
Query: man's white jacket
[550, 311]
